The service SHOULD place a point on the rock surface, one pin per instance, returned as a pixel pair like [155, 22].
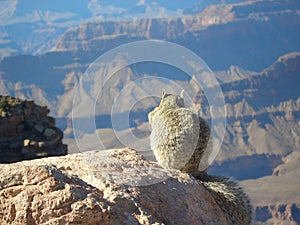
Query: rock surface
[94, 188]
[26, 132]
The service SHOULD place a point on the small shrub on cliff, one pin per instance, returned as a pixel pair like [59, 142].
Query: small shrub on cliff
[4, 105]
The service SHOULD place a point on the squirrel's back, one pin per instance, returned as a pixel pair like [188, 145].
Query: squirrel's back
[181, 140]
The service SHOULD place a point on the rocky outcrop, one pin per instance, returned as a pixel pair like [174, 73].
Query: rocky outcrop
[102, 187]
[26, 132]
[231, 30]
[273, 214]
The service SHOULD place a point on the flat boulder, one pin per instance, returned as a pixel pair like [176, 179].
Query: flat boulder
[110, 187]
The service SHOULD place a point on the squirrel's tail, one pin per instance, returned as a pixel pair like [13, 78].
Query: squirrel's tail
[229, 196]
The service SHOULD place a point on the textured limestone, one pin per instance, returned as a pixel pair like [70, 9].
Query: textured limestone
[94, 188]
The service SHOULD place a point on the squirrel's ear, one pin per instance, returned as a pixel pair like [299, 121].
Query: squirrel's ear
[181, 93]
[163, 93]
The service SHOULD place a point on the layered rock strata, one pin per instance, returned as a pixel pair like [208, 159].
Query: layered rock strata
[27, 132]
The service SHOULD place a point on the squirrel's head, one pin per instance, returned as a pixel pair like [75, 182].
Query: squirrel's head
[170, 100]
[167, 101]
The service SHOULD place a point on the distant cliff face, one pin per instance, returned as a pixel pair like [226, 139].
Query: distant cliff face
[250, 35]
[263, 107]
[26, 132]
[223, 35]
[263, 110]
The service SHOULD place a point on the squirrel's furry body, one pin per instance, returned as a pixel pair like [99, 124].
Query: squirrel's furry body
[180, 140]
[174, 135]
[179, 137]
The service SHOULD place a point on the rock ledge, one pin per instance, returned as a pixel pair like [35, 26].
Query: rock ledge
[71, 190]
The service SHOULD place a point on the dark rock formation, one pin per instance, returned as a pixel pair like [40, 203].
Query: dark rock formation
[26, 132]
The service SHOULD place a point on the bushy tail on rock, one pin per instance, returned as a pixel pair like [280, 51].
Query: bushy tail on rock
[229, 196]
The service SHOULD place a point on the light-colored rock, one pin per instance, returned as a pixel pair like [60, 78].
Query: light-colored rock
[41, 144]
[26, 142]
[90, 188]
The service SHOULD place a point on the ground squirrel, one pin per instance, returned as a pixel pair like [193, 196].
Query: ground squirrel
[181, 140]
